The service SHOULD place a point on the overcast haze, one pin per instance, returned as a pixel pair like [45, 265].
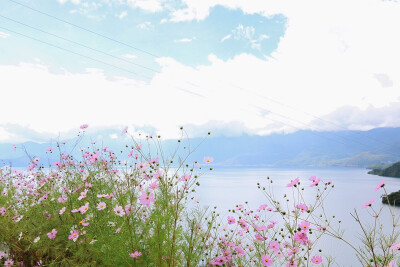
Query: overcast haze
[227, 66]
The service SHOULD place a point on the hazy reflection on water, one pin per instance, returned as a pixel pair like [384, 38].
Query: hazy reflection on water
[353, 187]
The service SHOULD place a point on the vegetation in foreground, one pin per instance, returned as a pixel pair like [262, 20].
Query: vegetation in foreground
[100, 210]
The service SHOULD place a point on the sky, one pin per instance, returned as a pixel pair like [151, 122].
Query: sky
[231, 67]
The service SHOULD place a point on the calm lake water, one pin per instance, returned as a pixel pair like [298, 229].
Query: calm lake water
[353, 188]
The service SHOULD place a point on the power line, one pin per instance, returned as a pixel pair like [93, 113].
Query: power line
[123, 69]
[333, 133]
[73, 52]
[80, 44]
[154, 55]
[106, 37]
[97, 60]
[308, 114]
[85, 29]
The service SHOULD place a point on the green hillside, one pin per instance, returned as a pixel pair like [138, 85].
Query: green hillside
[392, 171]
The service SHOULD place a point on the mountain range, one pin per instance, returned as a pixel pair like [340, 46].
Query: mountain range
[299, 149]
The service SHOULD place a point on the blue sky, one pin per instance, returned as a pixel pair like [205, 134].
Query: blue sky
[232, 66]
[225, 33]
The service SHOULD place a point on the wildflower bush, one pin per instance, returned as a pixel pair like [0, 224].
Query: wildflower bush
[286, 231]
[99, 211]
[138, 209]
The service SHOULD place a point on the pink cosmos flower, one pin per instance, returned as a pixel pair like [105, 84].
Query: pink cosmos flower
[61, 212]
[262, 207]
[304, 225]
[261, 228]
[74, 235]
[101, 206]
[272, 224]
[84, 208]
[146, 199]
[292, 251]
[395, 246]
[185, 177]
[119, 211]
[243, 224]
[240, 251]
[2, 211]
[231, 220]
[155, 160]
[110, 195]
[316, 259]
[315, 182]
[302, 207]
[301, 237]
[260, 237]
[158, 174]
[52, 234]
[266, 260]
[274, 245]
[9, 263]
[313, 178]
[62, 199]
[129, 209]
[368, 204]
[84, 223]
[135, 254]
[83, 194]
[153, 185]
[208, 159]
[84, 126]
[49, 149]
[381, 184]
[239, 207]
[124, 131]
[293, 182]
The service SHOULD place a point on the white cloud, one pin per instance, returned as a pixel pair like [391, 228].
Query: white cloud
[130, 56]
[62, 1]
[326, 60]
[226, 37]
[185, 40]
[145, 25]
[147, 5]
[4, 35]
[122, 15]
[114, 136]
[383, 79]
[241, 32]
[247, 33]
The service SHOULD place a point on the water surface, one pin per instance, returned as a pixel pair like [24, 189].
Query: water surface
[226, 187]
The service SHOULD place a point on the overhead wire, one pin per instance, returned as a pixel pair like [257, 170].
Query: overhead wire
[80, 44]
[73, 52]
[154, 55]
[83, 28]
[144, 51]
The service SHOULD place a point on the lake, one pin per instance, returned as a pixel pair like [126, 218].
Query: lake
[226, 187]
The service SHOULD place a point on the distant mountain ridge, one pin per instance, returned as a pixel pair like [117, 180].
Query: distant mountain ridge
[299, 149]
